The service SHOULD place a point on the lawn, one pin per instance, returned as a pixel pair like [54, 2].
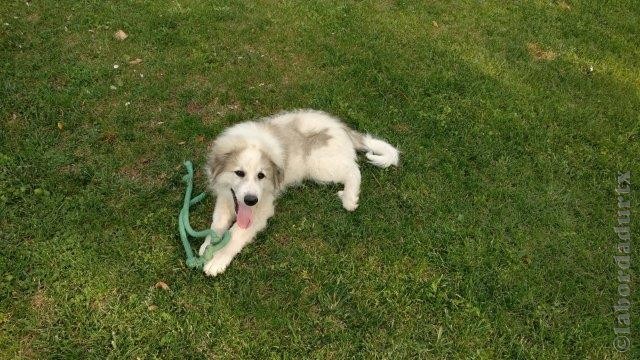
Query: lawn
[493, 239]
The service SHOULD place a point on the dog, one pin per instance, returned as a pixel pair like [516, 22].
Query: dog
[251, 163]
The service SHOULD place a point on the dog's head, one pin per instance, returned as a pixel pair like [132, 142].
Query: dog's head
[247, 170]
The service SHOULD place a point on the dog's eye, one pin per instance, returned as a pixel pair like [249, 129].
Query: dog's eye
[240, 173]
[260, 176]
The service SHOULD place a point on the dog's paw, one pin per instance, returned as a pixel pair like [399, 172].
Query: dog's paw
[204, 245]
[348, 202]
[218, 264]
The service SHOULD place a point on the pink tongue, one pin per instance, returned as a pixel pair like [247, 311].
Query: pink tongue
[244, 216]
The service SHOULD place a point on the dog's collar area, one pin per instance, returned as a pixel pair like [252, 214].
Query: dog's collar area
[235, 200]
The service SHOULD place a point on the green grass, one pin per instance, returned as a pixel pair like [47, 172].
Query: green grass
[493, 239]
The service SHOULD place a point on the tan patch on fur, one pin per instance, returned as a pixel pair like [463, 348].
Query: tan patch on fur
[315, 141]
[309, 141]
[536, 51]
[291, 136]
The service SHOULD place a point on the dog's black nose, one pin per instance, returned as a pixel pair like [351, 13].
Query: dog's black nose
[250, 200]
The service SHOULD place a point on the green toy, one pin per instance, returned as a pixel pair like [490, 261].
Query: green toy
[197, 262]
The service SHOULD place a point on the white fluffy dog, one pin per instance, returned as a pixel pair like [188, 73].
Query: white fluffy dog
[250, 163]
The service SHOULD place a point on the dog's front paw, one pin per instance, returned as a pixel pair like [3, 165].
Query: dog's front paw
[350, 203]
[218, 264]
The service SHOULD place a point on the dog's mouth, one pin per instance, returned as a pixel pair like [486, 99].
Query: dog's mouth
[244, 215]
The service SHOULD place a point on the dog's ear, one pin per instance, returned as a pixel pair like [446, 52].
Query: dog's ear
[215, 164]
[278, 175]
[276, 167]
[217, 157]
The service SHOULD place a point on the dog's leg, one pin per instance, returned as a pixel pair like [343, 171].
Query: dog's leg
[351, 192]
[222, 217]
[239, 238]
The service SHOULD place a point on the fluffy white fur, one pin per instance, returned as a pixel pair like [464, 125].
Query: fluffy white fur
[274, 153]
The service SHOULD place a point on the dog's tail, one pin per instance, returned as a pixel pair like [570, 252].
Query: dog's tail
[379, 152]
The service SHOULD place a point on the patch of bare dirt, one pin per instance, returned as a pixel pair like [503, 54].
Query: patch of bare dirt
[401, 128]
[14, 121]
[215, 110]
[109, 137]
[538, 53]
[138, 172]
[194, 108]
[40, 302]
[33, 18]
[26, 349]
